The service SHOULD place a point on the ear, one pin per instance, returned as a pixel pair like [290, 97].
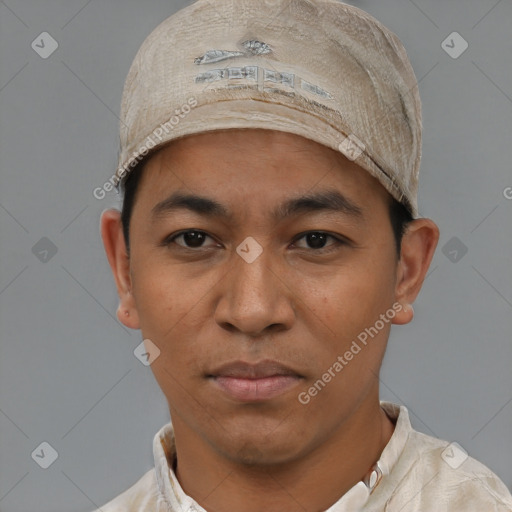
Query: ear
[119, 260]
[418, 246]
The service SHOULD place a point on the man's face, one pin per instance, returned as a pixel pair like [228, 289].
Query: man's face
[300, 303]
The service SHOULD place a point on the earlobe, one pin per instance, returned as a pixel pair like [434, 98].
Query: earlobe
[418, 246]
[404, 314]
[118, 258]
[127, 314]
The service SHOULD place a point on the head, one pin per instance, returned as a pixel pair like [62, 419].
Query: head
[254, 231]
[326, 273]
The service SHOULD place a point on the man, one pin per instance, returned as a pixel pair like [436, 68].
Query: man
[268, 240]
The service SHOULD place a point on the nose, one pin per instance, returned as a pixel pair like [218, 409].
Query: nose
[255, 299]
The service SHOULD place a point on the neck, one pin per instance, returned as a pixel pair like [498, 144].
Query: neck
[313, 482]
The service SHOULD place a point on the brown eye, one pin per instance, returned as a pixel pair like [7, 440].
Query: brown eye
[317, 240]
[192, 239]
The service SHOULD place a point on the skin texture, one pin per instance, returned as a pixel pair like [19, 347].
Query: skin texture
[299, 304]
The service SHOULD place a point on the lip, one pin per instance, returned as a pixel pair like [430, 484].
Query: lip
[254, 382]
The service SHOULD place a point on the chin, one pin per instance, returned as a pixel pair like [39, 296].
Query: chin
[256, 447]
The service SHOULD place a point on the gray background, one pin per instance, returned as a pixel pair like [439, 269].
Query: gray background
[68, 375]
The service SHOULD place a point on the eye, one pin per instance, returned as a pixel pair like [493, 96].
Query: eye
[317, 241]
[191, 238]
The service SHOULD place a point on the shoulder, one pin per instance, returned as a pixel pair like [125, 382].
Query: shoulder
[441, 476]
[141, 497]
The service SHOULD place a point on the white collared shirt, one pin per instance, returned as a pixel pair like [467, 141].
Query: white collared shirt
[419, 474]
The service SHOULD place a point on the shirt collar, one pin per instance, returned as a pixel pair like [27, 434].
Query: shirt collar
[164, 454]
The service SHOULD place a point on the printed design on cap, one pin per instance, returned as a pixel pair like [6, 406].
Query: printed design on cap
[260, 77]
[256, 77]
[256, 47]
[252, 47]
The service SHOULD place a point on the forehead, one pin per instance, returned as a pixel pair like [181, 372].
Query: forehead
[254, 167]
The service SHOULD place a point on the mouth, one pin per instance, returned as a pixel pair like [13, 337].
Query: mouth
[258, 382]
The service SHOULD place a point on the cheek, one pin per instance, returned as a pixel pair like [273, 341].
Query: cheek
[350, 336]
[164, 292]
[156, 299]
[341, 308]
[172, 306]
[351, 296]
[168, 309]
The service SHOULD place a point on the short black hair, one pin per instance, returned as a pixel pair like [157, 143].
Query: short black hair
[399, 214]
[129, 187]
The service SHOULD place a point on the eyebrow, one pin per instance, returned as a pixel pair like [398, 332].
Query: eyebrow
[324, 200]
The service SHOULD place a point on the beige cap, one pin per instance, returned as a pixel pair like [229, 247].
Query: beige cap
[321, 69]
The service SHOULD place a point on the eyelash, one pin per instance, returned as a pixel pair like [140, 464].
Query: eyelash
[323, 250]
